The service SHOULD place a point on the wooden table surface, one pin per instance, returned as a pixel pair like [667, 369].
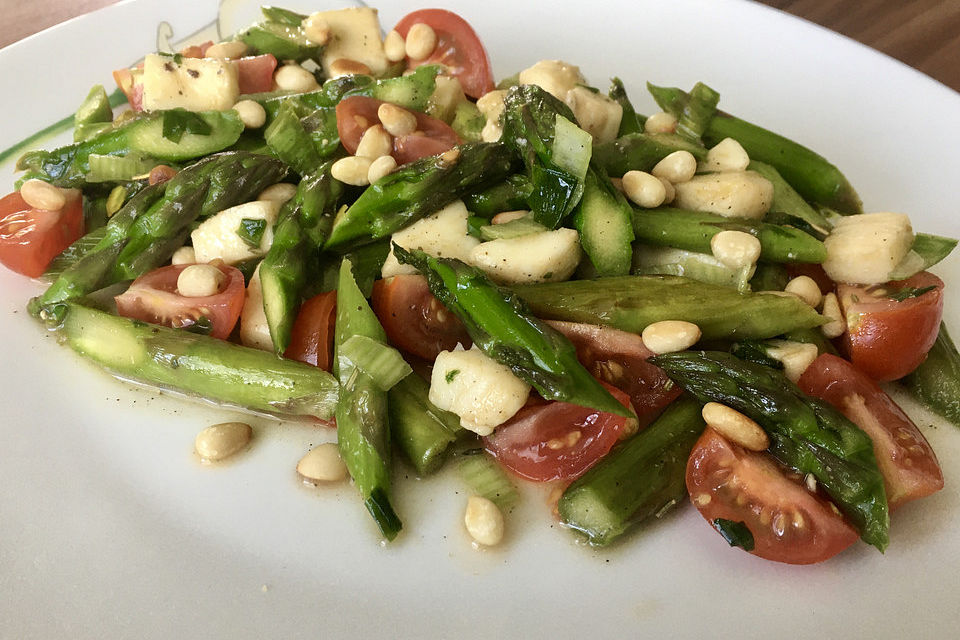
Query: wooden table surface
[922, 33]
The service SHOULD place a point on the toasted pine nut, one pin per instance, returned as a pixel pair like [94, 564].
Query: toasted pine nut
[484, 521]
[726, 155]
[347, 67]
[352, 170]
[735, 427]
[382, 166]
[831, 310]
[374, 143]
[491, 132]
[322, 464]
[279, 192]
[223, 440]
[679, 166]
[450, 156]
[183, 255]
[661, 122]
[293, 77]
[644, 189]
[670, 191]
[200, 281]
[421, 41]
[396, 120]
[160, 173]
[227, 50]
[668, 336]
[509, 216]
[806, 288]
[795, 356]
[316, 28]
[252, 114]
[42, 195]
[735, 249]
[394, 46]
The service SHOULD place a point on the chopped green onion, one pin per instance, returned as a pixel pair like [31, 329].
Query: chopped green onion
[251, 230]
[735, 533]
[486, 478]
[383, 364]
[105, 168]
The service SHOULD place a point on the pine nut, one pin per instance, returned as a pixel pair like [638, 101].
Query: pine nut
[726, 155]
[200, 281]
[316, 28]
[347, 67]
[394, 46]
[382, 166]
[396, 120]
[644, 189]
[160, 174]
[677, 167]
[352, 170]
[183, 255]
[509, 216]
[374, 143]
[669, 189]
[795, 356]
[484, 521]
[293, 77]
[280, 192]
[735, 427]
[223, 440]
[227, 50]
[806, 288]
[450, 157]
[43, 195]
[662, 122]
[736, 249]
[491, 132]
[831, 310]
[252, 115]
[421, 41]
[322, 464]
[668, 336]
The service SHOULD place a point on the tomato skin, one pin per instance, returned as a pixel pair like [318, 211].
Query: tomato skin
[311, 339]
[153, 298]
[458, 49]
[909, 466]
[887, 339]
[30, 238]
[255, 73]
[789, 523]
[356, 113]
[556, 440]
[414, 320]
[620, 359]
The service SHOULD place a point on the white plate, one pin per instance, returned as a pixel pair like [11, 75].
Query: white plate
[109, 527]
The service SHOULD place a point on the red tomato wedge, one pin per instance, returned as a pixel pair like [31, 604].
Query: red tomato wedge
[620, 359]
[906, 460]
[556, 440]
[357, 113]
[789, 523]
[30, 238]
[153, 298]
[311, 338]
[255, 73]
[458, 49]
[414, 320]
[886, 338]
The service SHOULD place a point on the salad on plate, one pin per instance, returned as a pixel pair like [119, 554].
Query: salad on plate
[523, 277]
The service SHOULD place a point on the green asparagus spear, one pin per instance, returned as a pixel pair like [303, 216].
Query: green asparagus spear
[603, 220]
[509, 195]
[362, 431]
[630, 303]
[630, 121]
[639, 478]
[281, 35]
[692, 230]
[302, 137]
[197, 365]
[806, 434]
[302, 228]
[418, 189]
[641, 151]
[936, 382]
[698, 111]
[500, 326]
[152, 225]
[421, 430]
[94, 114]
[787, 202]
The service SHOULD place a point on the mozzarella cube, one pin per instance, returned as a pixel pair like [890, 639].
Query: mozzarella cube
[548, 256]
[597, 114]
[738, 194]
[442, 235]
[354, 35]
[483, 392]
[864, 249]
[553, 76]
[218, 236]
[194, 84]
[254, 330]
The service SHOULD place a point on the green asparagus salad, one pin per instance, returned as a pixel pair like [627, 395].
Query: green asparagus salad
[526, 281]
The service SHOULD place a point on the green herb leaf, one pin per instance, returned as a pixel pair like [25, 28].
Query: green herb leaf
[203, 326]
[908, 292]
[451, 375]
[251, 231]
[177, 122]
[735, 533]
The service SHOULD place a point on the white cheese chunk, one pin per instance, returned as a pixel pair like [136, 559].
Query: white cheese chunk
[483, 392]
[739, 194]
[549, 256]
[354, 35]
[254, 330]
[218, 237]
[442, 235]
[597, 114]
[864, 249]
[194, 84]
[553, 76]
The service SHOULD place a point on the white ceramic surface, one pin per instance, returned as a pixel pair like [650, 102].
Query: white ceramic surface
[110, 528]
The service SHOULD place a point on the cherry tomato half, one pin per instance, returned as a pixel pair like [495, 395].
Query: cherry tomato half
[30, 238]
[311, 339]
